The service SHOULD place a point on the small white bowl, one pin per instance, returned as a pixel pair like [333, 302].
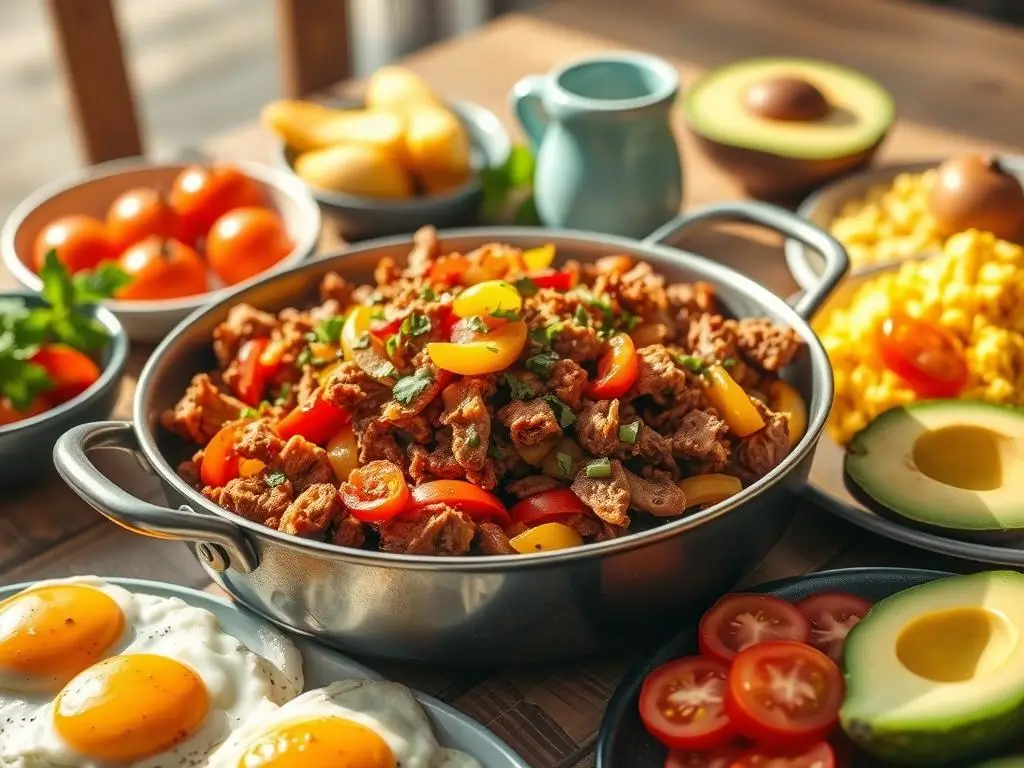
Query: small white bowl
[92, 190]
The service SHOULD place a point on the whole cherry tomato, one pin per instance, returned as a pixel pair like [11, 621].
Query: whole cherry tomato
[162, 269]
[9, 414]
[926, 356]
[81, 242]
[200, 195]
[138, 214]
[245, 242]
[72, 372]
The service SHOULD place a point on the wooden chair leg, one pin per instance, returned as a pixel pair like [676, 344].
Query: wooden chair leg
[94, 70]
[313, 45]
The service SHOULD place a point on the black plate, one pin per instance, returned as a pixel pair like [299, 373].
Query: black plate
[624, 742]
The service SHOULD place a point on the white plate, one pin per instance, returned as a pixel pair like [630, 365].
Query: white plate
[322, 666]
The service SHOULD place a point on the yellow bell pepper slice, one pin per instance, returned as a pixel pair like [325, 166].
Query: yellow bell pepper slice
[536, 259]
[709, 489]
[787, 401]
[545, 538]
[493, 298]
[250, 467]
[356, 324]
[487, 353]
[343, 453]
[731, 401]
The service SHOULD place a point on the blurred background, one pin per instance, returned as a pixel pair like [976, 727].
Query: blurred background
[203, 66]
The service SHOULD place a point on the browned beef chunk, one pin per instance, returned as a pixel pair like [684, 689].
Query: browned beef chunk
[466, 413]
[253, 498]
[642, 291]
[659, 376]
[259, 441]
[597, 427]
[766, 345]
[591, 527]
[649, 445]
[689, 299]
[567, 382]
[608, 497]
[334, 287]
[303, 463]
[347, 531]
[759, 453]
[579, 343]
[440, 530]
[531, 484]
[312, 511]
[492, 540]
[243, 322]
[386, 272]
[425, 248]
[202, 411]
[377, 441]
[701, 440]
[530, 422]
[349, 386]
[436, 381]
[712, 338]
[658, 496]
[189, 472]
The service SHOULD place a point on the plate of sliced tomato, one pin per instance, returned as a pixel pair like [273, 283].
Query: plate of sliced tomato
[755, 682]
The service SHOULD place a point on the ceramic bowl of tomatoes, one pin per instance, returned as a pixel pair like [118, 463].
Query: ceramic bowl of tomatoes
[178, 235]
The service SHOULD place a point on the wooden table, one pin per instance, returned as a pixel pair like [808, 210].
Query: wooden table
[957, 85]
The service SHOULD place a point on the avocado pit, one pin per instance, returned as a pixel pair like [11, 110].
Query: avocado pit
[786, 98]
[976, 192]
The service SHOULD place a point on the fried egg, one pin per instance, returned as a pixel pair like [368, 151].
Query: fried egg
[348, 724]
[93, 675]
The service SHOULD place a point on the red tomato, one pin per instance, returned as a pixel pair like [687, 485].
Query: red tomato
[252, 375]
[682, 704]
[245, 242]
[138, 214]
[783, 694]
[740, 620]
[375, 491]
[72, 372]
[316, 420]
[461, 495]
[547, 506]
[201, 195]
[617, 370]
[220, 461]
[9, 415]
[831, 616]
[162, 269]
[448, 269]
[559, 281]
[926, 356]
[81, 242]
[818, 755]
[722, 757]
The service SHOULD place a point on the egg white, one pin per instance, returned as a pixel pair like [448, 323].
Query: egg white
[240, 684]
[387, 708]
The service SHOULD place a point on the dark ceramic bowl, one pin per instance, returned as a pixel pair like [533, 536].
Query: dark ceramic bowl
[357, 218]
[26, 447]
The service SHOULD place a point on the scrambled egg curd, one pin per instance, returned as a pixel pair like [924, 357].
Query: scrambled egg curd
[974, 290]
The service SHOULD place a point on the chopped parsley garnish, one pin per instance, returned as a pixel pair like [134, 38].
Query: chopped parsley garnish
[328, 331]
[378, 314]
[408, 388]
[525, 286]
[542, 362]
[628, 321]
[472, 438]
[564, 414]
[564, 462]
[428, 294]
[691, 363]
[304, 358]
[283, 394]
[517, 388]
[415, 324]
[545, 337]
[476, 324]
[505, 314]
[363, 342]
[599, 469]
[628, 432]
[492, 348]
[728, 363]
[581, 316]
[275, 478]
[248, 412]
[391, 345]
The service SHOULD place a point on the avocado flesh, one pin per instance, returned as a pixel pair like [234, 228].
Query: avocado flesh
[862, 110]
[977, 448]
[936, 673]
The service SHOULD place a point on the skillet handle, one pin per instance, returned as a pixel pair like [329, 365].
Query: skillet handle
[219, 543]
[783, 222]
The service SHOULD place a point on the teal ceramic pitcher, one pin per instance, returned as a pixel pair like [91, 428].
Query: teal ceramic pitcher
[607, 159]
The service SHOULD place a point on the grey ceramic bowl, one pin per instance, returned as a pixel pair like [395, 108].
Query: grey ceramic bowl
[92, 190]
[26, 447]
[357, 218]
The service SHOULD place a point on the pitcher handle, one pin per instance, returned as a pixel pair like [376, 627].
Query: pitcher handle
[220, 543]
[528, 107]
[781, 221]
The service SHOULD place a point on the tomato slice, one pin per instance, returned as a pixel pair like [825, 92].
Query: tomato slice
[547, 506]
[721, 757]
[550, 278]
[783, 694]
[617, 370]
[818, 755]
[461, 495]
[740, 620]
[72, 372]
[220, 461]
[316, 420]
[926, 356]
[682, 704]
[375, 491]
[251, 373]
[831, 616]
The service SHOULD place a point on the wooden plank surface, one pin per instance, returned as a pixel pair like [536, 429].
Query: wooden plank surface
[956, 84]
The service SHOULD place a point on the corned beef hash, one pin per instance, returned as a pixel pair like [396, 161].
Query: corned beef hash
[488, 403]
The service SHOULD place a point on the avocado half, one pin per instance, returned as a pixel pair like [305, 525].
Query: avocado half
[953, 467]
[936, 673]
[783, 126]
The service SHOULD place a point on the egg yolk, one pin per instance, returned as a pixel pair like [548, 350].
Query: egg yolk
[130, 707]
[324, 741]
[50, 634]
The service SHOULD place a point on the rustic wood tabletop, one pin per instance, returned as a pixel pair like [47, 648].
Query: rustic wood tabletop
[957, 86]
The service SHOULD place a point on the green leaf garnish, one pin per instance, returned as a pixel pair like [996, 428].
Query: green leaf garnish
[581, 316]
[542, 362]
[564, 462]
[415, 324]
[328, 331]
[628, 432]
[93, 286]
[275, 478]
[691, 363]
[428, 294]
[600, 469]
[526, 287]
[472, 438]
[363, 342]
[564, 414]
[408, 388]
[476, 324]
[505, 314]
[517, 389]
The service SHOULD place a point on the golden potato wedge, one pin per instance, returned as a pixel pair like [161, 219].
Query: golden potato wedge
[397, 89]
[356, 169]
[305, 126]
[435, 140]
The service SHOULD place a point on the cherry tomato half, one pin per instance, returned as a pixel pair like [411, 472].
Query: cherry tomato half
[783, 694]
[682, 704]
[547, 506]
[316, 420]
[740, 620]
[220, 460]
[926, 356]
[818, 755]
[831, 616]
[617, 370]
[375, 491]
[458, 494]
[557, 280]
[201, 195]
[252, 379]
[72, 372]
[138, 214]
[722, 757]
